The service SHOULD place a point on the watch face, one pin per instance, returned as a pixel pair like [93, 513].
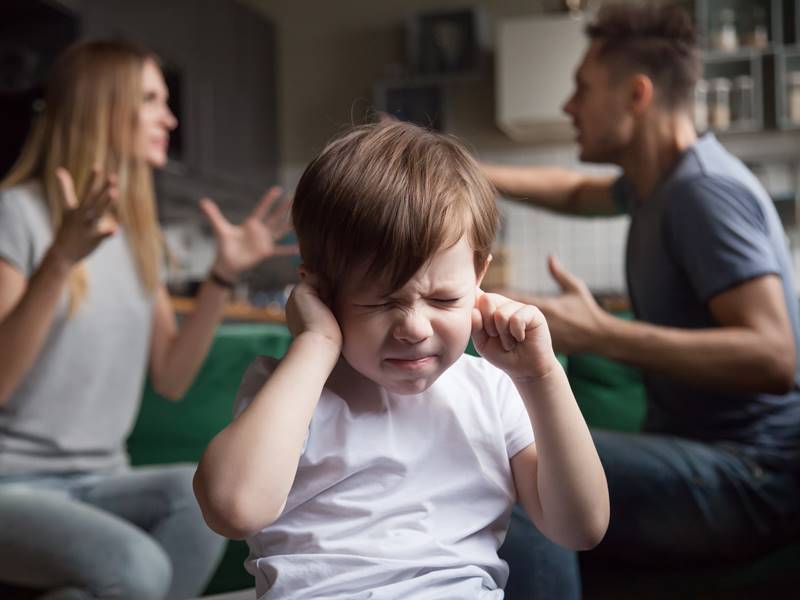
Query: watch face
[20, 68]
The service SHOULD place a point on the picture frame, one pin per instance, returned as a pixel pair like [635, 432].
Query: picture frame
[445, 43]
[418, 102]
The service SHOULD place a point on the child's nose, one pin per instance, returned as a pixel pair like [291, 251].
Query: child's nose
[412, 326]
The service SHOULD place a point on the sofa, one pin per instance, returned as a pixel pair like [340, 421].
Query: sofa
[610, 394]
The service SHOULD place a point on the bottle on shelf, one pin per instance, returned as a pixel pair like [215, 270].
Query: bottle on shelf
[700, 112]
[724, 37]
[793, 97]
[742, 113]
[757, 35]
[719, 105]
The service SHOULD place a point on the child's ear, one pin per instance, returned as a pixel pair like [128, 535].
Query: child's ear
[302, 270]
[483, 270]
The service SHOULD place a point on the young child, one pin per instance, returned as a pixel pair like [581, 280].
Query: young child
[376, 460]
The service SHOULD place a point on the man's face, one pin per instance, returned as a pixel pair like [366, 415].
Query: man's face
[599, 110]
[406, 339]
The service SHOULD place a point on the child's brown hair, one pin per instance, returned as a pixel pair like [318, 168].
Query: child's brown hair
[387, 197]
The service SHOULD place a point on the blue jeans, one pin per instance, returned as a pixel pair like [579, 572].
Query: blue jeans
[674, 503]
[134, 534]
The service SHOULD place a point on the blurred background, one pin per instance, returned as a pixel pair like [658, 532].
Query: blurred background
[260, 85]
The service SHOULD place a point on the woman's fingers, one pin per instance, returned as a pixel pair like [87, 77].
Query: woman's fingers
[67, 188]
[214, 216]
[264, 206]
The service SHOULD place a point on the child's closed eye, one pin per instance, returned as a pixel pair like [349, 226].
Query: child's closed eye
[376, 306]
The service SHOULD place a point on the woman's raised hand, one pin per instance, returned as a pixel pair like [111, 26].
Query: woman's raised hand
[86, 221]
[241, 247]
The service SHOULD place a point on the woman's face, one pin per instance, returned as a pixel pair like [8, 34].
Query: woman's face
[155, 119]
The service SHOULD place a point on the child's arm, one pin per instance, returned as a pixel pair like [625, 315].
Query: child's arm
[559, 479]
[245, 474]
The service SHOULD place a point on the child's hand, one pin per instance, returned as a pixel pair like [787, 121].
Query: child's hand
[512, 336]
[307, 312]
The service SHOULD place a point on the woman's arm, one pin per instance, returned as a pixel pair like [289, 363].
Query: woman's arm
[27, 307]
[177, 354]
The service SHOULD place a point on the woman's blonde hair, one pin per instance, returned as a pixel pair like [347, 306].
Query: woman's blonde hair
[89, 120]
[388, 197]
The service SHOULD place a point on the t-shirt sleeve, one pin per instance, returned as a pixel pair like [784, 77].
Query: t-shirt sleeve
[622, 194]
[516, 422]
[252, 381]
[16, 243]
[717, 231]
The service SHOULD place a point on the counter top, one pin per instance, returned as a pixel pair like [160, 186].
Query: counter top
[234, 311]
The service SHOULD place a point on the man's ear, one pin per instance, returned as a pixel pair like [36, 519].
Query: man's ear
[482, 273]
[641, 93]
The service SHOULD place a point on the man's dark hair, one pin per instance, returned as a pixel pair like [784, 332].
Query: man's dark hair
[657, 40]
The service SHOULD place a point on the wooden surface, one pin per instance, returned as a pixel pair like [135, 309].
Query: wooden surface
[234, 311]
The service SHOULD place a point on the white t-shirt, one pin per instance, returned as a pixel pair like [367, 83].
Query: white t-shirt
[407, 500]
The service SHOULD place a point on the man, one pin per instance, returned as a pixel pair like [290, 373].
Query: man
[714, 475]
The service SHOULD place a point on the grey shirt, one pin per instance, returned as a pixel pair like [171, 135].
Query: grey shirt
[708, 227]
[74, 409]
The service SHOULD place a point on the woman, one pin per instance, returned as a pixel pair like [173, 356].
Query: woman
[83, 315]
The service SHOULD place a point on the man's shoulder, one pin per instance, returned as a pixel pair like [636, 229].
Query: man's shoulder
[714, 191]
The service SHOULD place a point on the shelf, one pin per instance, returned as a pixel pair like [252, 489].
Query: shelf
[740, 55]
[234, 311]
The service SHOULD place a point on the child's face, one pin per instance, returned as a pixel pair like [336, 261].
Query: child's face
[405, 340]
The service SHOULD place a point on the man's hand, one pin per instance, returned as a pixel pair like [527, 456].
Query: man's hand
[576, 321]
[512, 336]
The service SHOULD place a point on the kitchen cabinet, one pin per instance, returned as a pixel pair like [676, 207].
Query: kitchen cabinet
[755, 40]
[535, 63]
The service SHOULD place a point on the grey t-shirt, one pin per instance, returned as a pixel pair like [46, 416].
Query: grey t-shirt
[709, 227]
[75, 407]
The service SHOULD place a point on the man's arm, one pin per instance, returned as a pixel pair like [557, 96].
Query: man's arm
[556, 189]
[751, 350]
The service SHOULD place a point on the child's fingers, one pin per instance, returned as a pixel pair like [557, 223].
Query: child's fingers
[479, 337]
[486, 307]
[522, 320]
[502, 320]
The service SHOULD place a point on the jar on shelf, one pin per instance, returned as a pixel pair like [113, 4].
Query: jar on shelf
[757, 35]
[725, 37]
[700, 109]
[742, 111]
[719, 105]
[793, 97]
